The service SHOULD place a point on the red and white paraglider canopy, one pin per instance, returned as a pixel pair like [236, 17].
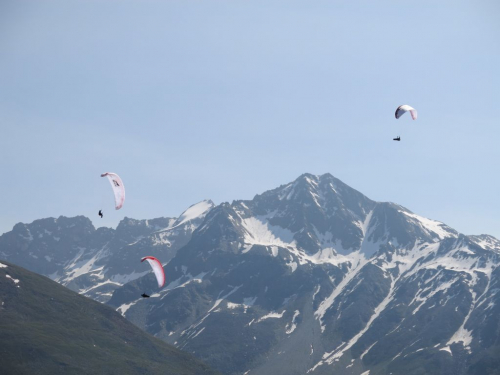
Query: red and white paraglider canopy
[157, 269]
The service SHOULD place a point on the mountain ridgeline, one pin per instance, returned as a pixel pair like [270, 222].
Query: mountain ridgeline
[311, 277]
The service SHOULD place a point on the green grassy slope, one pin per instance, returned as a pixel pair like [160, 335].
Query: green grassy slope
[48, 329]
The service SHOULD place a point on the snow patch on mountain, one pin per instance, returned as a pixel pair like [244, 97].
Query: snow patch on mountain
[405, 259]
[80, 267]
[123, 308]
[462, 335]
[16, 281]
[292, 265]
[258, 231]
[85, 291]
[381, 307]
[247, 302]
[195, 211]
[365, 224]
[433, 226]
[453, 260]
[487, 242]
[429, 292]
[271, 315]
[161, 238]
[357, 263]
[197, 333]
[290, 327]
[219, 300]
[367, 350]
[183, 281]
[447, 349]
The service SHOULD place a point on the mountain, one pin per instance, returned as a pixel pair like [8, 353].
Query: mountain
[94, 262]
[314, 277]
[48, 329]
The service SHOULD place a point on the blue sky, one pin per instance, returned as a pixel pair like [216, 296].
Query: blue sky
[222, 100]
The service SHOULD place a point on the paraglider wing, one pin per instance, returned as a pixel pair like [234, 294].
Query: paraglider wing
[157, 269]
[402, 109]
[118, 188]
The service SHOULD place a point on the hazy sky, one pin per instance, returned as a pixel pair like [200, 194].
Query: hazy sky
[222, 100]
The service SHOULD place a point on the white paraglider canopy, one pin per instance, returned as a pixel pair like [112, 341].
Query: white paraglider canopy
[157, 269]
[118, 188]
[402, 109]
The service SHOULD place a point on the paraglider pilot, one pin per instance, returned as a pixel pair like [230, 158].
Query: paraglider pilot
[398, 138]
[100, 214]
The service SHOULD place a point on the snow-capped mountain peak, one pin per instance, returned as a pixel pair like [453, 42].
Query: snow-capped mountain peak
[310, 277]
[318, 278]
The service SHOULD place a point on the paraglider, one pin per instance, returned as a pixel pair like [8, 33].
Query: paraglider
[100, 214]
[144, 295]
[157, 269]
[402, 109]
[118, 188]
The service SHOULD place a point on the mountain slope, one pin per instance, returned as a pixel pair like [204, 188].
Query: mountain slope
[48, 329]
[314, 277]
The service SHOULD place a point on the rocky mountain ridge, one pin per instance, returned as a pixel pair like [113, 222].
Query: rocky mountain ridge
[94, 262]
